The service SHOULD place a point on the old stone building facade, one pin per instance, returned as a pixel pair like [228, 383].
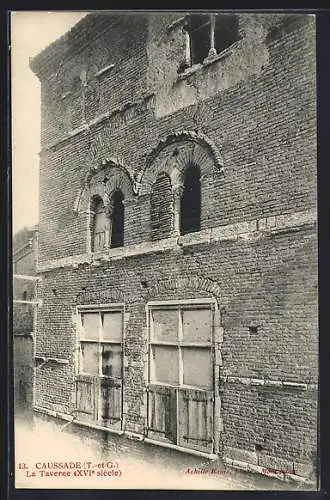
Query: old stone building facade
[177, 237]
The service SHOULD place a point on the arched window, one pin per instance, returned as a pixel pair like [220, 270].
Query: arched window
[190, 208]
[98, 225]
[161, 207]
[117, 229]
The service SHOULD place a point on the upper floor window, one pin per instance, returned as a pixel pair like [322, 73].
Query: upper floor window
[190, 208]
[107, 227]
[98, 225]
[117, 219]
[210, 34]
[161, 207]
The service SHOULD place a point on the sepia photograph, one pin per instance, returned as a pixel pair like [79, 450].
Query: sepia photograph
[165, 250]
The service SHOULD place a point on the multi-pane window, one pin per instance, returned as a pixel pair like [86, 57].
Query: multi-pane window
[181, 346]
[100, 343]
[181, 375]
[99, 381]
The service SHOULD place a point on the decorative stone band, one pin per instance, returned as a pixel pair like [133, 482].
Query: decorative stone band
[280, 384]
[247, 231]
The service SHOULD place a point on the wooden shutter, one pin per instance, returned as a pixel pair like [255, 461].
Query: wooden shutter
[110, 403]
[162, 417]
[196, 419]
[86, 397]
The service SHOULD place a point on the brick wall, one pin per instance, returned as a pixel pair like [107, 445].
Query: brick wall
[262, 122]
[260, 285]
[263, 126]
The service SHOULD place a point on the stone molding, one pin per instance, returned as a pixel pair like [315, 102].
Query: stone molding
[278, 384]
[119, 178]
[248, 231]
[173, 153]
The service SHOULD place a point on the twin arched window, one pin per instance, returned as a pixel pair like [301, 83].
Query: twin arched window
[107, 230]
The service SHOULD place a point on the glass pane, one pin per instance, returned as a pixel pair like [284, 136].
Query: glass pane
[197, 367]
[90, 325]
[197, 325]
[164, 364]
[165, 324]
[90, 358]
[112, 325]
[111, 360]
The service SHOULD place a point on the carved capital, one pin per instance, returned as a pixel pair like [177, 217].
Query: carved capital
[108, 209]
[178, 191]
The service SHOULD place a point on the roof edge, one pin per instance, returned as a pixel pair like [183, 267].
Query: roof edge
[59, 48]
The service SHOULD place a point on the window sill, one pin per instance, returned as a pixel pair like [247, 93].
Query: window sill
[210, 456]
[207, 62]
[98, 427]
[251, 230]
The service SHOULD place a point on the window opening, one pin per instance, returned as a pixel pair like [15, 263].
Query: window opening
[117, 230]
[190, 208]
[210, 35]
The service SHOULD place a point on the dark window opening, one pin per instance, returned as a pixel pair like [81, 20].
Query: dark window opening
[206, 34]
[161, 206]
[199, 31]
[117, 230]
[99, 225]
[25, 295]
[225, 32]
[190, 209]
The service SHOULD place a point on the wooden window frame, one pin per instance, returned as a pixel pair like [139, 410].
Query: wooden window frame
[180, 344]
[100, 341]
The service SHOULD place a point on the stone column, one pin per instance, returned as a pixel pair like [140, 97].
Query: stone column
[187, 54]
[212, 51]
[90, 222]
[108, 210]
[177, 194]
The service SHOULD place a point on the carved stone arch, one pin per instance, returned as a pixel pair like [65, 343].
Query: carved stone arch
[174, 153]
[104, 179]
